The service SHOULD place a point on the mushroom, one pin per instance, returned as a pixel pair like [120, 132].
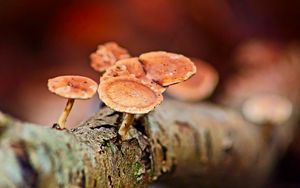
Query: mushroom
[130, 67]
[131, 88]
[71, 87]
[125, 67]
[106, 55]
[257, 53]
[198, 87]
[129, 95]
[167, 68]
[267, 108]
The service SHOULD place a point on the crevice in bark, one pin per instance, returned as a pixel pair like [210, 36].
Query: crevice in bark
[110, 181]
[208, 144]
[29, 174]
[164, 150]
[139, 125]
[83, 179]
[107, 126]
[145, 159]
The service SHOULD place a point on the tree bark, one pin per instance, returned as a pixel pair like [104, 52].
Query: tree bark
[178, 143]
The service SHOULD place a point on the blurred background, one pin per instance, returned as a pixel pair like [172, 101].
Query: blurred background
[253, 45]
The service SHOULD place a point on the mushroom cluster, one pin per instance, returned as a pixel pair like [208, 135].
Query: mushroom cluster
[135, 85]
[132, 85]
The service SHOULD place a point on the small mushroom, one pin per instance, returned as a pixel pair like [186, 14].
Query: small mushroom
[129, 95]
[267, 108]
[198, 87]
[167, 68]
[106, 55]
[71, 87]
[131, 88]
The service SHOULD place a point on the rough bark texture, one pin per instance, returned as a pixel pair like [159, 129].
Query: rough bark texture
[203, 144]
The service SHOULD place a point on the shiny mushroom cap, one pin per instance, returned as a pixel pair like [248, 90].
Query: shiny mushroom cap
[130, 67]
[129, 94]
[73, 87]
[106, 55]
[198, 87]
[125, 67]
[267, 108]
[167, 68]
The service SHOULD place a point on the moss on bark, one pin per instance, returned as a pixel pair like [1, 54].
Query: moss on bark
[201, 143]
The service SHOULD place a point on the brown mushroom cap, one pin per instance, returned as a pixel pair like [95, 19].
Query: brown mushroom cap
[167, 68]
[106, 55]
[198, 87]
[125, 67]
[130, 67]
[129, 94]
[73, 87]
[267, 108]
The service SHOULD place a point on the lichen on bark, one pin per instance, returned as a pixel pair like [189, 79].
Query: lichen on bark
[201, 143]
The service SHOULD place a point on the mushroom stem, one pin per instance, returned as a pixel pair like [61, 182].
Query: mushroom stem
[127, 121]
[63, 117]
[268, 130]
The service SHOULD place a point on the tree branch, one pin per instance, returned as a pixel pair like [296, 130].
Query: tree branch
[202, 143]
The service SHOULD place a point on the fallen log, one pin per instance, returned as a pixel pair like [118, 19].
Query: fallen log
[178, 143]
